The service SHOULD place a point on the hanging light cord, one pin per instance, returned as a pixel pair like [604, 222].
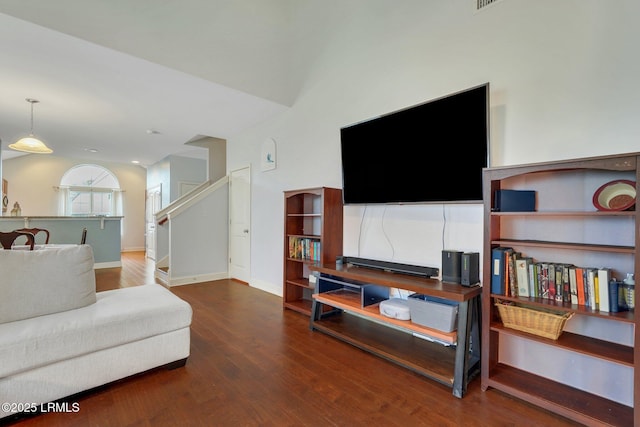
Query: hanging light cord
[32, 101]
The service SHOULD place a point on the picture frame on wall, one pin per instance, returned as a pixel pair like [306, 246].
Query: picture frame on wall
[268, 155]
[5, 198]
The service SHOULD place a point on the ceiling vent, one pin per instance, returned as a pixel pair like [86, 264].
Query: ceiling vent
[481, 4]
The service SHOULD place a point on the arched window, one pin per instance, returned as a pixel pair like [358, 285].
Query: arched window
[90, 190]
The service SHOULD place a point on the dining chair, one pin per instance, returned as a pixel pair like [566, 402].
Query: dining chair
[35, 232]
[7, 238]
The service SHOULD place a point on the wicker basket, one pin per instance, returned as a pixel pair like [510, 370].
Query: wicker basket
[544, 323]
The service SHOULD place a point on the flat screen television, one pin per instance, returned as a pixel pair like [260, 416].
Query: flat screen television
[433, 152]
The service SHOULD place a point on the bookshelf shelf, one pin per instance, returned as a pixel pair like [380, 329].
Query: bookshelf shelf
[578, 343]
[306, 236]
[566, 213]
[313, 223]
[350, 301]
[565, 245]
[303, 283]
[301, 260]
[567, 401]
[622, 316]
[565, 229]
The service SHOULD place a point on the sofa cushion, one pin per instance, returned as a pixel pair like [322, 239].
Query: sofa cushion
[118, 317]
[45, 281]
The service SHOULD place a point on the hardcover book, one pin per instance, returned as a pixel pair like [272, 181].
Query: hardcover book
[559, 269]
[551, 278]
[580, 286]
[573, 285]
[591, 286]
[498, 271]
[522, 274]
[533, 279]
[543, 279]
[614, 295]
[604, 277]
[511, 271]
[566, 285]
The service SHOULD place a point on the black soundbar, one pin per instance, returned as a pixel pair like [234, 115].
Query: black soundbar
[392, 266]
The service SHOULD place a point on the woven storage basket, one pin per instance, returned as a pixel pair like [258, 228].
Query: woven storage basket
[544, 323]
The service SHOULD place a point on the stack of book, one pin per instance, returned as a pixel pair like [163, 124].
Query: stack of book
[304, 248]
[514, 274]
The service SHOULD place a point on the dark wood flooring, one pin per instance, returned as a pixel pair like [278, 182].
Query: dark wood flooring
[254, 364]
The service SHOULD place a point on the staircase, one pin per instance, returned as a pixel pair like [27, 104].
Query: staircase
[192, 235]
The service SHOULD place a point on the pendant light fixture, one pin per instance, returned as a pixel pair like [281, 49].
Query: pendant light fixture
[31, 144]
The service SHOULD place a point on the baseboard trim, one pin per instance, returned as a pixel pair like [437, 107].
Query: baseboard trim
[266, 286]
[134, 249]
[112, 264]
[187, 280]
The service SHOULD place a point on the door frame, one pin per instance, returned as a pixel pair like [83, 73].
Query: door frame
[152, 194]
[233, 219]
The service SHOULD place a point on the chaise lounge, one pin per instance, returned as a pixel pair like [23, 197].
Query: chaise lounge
[59, 337]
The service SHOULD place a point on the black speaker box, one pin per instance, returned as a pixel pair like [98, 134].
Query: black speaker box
[451, 262]
[470, 274]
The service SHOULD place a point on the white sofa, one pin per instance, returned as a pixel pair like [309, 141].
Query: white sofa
[59, 337]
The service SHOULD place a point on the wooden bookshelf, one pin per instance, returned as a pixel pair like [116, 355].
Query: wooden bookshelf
[565, 228]
[313, 220]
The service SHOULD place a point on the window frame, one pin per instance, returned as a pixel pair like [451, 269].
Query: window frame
[88, 193]
[75, 191]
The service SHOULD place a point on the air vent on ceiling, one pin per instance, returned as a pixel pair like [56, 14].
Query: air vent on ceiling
[480, 4]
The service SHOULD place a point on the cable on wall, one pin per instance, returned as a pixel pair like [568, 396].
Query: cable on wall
[384, 232]
[364, 212]
[444, 224]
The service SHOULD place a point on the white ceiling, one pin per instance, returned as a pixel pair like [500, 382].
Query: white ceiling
[106, 73]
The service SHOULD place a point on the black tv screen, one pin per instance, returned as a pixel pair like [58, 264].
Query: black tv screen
[433, 152]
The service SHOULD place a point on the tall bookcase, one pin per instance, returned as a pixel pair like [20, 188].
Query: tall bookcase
[312, 234]
[566, 228]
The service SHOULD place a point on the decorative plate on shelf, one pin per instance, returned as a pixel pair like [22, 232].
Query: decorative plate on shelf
[616, 195]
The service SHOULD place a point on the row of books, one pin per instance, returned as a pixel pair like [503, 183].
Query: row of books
[304, 248]
[513, 274]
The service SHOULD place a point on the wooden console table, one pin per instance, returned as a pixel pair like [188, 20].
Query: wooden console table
[345, 306]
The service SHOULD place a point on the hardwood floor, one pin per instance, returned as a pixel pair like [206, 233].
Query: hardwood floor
[254, 364]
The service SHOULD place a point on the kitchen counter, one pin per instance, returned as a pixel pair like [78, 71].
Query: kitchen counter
[103, 233]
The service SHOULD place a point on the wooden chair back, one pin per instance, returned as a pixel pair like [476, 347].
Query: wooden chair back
[7, 238]
[35, 232]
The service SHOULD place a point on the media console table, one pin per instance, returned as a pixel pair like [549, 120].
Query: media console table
[345, 306]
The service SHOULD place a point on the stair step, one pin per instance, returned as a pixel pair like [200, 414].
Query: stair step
[162, 274]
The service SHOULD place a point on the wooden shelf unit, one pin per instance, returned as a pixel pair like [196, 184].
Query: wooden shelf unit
[574, 230]
[340, 310]
[311, 215]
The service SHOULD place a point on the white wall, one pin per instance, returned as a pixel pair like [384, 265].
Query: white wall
[32, 179]
[159, 174]
[563, 79]
[171, 171]
[185, 170]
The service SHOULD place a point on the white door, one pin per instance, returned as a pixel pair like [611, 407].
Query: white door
[152, 205]
[240, 224]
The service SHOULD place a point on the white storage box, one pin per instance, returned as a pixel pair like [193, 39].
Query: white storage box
[395, 308]
[432, 312]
